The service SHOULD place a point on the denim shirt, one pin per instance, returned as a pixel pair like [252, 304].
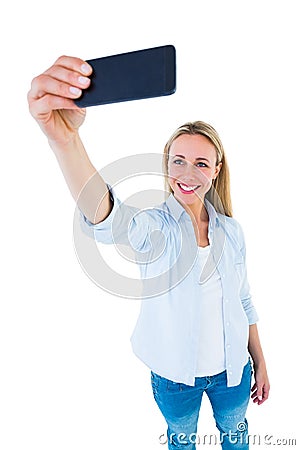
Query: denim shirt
[166, 335]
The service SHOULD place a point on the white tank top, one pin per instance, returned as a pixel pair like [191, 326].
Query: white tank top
[211, 355]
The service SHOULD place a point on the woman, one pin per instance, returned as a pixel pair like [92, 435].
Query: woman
[197, 331]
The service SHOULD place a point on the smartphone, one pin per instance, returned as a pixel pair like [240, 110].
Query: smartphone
[131, 76]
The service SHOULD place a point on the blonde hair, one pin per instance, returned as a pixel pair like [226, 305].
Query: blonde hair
[219, 193]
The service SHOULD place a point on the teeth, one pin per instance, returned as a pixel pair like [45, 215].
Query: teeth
[188, 188]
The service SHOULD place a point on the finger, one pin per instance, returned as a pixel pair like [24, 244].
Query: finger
[260, 399]
[254, 395]
[48, 103]
[266, 390]
[76, 64]
[68, 71]
[45, 84]
[259, 392]
[255, 399]
[69, 77]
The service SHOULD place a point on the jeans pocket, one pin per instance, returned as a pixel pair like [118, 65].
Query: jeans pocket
[172, 386]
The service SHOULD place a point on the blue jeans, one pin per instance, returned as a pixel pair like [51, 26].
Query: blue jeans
[180, 405]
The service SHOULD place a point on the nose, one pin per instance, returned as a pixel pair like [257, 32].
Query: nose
[189, 173]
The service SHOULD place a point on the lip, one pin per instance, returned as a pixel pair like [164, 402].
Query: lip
[186, 192]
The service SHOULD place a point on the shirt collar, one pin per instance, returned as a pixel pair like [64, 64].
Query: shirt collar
[177, 210]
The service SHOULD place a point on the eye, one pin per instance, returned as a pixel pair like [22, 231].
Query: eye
[178, 161]
[201, 164]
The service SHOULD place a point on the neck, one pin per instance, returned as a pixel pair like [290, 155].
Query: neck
[196, 210]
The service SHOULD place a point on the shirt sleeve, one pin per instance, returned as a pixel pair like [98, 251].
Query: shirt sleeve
[245, 294]
[125, 225]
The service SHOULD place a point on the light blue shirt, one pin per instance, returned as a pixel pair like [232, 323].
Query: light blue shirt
[166, 335]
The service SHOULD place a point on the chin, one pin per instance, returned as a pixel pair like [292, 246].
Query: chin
[188, 199]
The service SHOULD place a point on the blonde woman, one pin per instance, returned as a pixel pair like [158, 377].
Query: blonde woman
[197, 333]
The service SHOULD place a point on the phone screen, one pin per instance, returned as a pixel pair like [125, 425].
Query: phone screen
[131, 76]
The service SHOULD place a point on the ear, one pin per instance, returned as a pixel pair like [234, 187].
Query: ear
[217, 170]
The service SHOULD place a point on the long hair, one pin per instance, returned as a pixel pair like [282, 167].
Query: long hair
[219, 193]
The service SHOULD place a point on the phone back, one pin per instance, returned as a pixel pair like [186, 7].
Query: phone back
[131, 76]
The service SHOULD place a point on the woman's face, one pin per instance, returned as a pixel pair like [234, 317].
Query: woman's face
[192, 167]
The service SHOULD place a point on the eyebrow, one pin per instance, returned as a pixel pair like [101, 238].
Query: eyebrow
[196, 159]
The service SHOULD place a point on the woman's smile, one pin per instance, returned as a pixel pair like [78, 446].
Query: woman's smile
[185, 189]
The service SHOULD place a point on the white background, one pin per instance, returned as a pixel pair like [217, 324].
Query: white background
[68, 378]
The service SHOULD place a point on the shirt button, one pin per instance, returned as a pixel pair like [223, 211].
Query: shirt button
[227, 323]
[230, 373]
[228, 345]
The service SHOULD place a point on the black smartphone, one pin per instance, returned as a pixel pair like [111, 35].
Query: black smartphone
[131, 76]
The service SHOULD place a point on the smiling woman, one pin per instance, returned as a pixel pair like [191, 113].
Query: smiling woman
[197, 333]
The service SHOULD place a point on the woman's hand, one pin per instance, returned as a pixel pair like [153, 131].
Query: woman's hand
[51, 98]
[261, 387]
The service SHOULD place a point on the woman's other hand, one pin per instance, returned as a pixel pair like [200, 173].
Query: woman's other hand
[261, 387]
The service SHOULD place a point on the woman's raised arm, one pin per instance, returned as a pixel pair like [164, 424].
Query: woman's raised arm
[51, 103]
